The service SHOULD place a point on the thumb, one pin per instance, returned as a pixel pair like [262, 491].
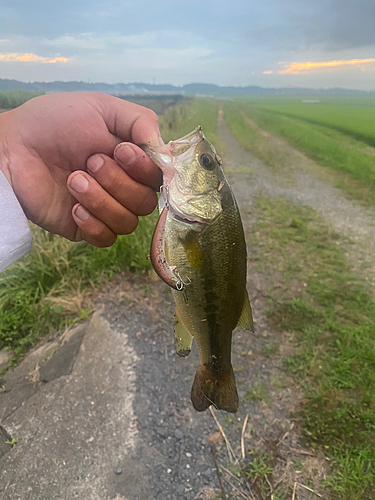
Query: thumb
[130, 122]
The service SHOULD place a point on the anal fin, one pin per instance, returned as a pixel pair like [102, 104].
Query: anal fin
[182, 337]
[246, 318]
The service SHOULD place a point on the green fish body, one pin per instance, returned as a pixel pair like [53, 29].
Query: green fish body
[199, 249]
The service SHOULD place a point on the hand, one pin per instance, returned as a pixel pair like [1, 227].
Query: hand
[66, 160]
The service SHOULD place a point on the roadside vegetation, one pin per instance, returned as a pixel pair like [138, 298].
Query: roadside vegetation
[48, 289]
[14, 98]
[331, 314]
[347, 149]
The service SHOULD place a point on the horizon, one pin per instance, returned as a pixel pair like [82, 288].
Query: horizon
[188, 84]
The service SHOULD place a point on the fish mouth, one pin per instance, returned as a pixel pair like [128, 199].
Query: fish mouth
[174, 148]
[181, 145]
[165, 156]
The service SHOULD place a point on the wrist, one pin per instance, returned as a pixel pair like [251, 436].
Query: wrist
[4, 146]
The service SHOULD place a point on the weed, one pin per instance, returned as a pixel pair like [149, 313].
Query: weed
[13, 442]
[258, 392]
[258, 469]
[228, 419]
[270, 349]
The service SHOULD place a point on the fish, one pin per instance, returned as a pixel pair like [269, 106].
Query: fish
[198, 248]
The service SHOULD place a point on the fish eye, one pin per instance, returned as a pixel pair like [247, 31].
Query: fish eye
[207, 161]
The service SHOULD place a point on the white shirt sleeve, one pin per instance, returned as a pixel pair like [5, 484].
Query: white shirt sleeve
[15, 234]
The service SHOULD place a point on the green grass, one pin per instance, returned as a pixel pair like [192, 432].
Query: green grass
[181, 120]
[14, 98]
[354, 116]
[332, 316]
[355, 169]
[45, 291]
[257, 392]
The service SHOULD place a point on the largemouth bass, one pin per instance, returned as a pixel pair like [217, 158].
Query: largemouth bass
[199, 250]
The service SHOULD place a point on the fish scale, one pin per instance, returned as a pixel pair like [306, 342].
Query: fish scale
[202, 256]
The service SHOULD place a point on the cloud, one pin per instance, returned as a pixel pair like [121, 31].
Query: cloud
[28, 57]
[267, 72]
[100, 41]
[313, 67]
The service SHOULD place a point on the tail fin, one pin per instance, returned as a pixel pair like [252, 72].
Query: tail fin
[210, 389]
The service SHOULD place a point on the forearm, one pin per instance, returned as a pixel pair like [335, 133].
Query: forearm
[15, 235]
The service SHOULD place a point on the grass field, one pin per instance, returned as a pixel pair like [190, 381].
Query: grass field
[353, 116]
[336, 133]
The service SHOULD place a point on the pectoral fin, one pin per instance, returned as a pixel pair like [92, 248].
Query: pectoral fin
[157, 254]
[246, 318]
[182, 337]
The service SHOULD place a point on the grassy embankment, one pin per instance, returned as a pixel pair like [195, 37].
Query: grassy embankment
[336, 133]
[331, 316]
[46, 290]
[14, 98]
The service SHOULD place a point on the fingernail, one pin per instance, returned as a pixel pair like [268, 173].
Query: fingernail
[94, 163]
[81, 213]
[126, 155]
[79, 183]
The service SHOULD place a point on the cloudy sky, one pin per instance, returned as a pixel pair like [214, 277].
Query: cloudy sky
[302, 43]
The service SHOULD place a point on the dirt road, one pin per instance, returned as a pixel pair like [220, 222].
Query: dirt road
[106, 414]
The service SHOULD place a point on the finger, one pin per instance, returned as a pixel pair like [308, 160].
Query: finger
[138, 165]
[130, 122]
[92, 229]
[98, 202]
[136, 197]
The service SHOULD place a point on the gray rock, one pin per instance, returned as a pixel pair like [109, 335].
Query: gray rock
[162, 432]
[178, 434]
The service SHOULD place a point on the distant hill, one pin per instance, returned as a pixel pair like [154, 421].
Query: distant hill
[206, 89]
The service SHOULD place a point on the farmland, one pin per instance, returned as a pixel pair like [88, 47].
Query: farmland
[353, 116]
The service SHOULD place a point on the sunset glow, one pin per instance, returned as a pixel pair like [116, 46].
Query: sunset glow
[298, 68]
[16, 57]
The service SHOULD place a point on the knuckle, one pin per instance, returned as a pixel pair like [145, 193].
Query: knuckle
[152, 115]
[97, 204]
[108, 242]
[131, 225]
[147, 202]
